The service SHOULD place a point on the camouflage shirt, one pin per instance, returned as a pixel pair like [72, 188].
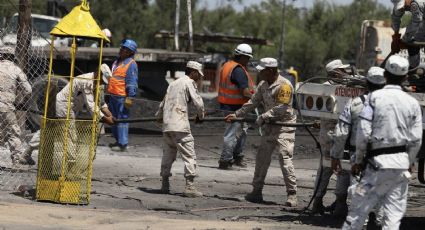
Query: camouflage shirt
[347, 127]
[390, 118]
[174, 109]
[277, 100]
[14, 87]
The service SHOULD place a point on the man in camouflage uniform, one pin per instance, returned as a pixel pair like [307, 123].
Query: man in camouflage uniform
[345, 130]
[275, 93]
[174, 113]
[335, 70]
[83, 96]
[14, 88]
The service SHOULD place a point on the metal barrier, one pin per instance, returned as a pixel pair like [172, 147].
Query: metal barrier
[65, 167]
[67, 145]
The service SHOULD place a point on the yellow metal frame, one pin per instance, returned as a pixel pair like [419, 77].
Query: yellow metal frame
[63, 190]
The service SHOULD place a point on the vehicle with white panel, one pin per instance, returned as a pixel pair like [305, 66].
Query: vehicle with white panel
[328, 100]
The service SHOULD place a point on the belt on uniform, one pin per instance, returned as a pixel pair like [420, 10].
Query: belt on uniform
[389, 150]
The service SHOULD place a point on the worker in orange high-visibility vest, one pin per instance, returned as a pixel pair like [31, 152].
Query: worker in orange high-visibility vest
[236, 88]
[122, 88]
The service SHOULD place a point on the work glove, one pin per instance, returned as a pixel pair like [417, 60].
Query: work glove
[128, 103]
[198, 120]
[108, 120]
[106, 112]
[336, 166]
[396, 43]
[230, 117]
[260, 121]
[316, 124]
[356, 169]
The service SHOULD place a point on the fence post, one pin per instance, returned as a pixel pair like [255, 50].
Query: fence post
[24, 34]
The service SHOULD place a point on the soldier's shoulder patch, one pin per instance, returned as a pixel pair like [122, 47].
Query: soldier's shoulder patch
[285, 94]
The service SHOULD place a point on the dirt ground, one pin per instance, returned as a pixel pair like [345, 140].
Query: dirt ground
[125, 192]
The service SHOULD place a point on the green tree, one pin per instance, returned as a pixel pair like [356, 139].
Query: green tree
[313, 36]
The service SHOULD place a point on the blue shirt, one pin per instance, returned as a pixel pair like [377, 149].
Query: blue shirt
[132, 78]
[239, 78]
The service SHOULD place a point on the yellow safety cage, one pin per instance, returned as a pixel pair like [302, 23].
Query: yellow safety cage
[68, 145]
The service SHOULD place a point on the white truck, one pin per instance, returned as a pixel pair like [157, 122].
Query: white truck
[41, 24]
[328, 101]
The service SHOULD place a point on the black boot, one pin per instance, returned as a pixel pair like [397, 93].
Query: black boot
[222, 164]
[318, 207]
[239, 161]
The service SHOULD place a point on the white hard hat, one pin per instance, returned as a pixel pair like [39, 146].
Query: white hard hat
[196, 66]
[244, 49]
[335, 64]
[106, 73]
[397, 65]
[375, 75]
[398, 4]
[266, 62]
[107, 32]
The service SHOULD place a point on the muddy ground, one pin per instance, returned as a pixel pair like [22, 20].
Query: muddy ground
[125, 192]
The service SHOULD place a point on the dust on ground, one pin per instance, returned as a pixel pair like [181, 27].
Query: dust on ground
[125, 192]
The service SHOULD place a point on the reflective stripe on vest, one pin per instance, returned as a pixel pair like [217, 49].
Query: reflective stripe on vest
[116, 84]
[229, 93]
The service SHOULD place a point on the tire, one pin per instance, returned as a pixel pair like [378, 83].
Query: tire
[36, 108]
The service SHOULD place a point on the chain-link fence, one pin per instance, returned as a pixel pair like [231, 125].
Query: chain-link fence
[23, 68]
[65, 166]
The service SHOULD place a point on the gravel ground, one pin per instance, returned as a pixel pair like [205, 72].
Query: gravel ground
[125, 192]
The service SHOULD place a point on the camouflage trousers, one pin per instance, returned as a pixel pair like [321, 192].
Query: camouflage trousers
[178, 142]
[325, 173]
[284, 146]
[390, 186]
[11, 133]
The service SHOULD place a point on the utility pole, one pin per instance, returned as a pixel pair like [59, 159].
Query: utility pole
[189, 20]
[281, 56]
[176, 28]
[24, 34]
[282, 36]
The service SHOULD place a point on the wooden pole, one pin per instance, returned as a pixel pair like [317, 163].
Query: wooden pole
[24, 34]
[176, 28]
[189, 20]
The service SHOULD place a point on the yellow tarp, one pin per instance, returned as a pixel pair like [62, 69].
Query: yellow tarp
[80, 23]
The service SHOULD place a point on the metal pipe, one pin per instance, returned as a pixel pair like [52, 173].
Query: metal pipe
[213, 119]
